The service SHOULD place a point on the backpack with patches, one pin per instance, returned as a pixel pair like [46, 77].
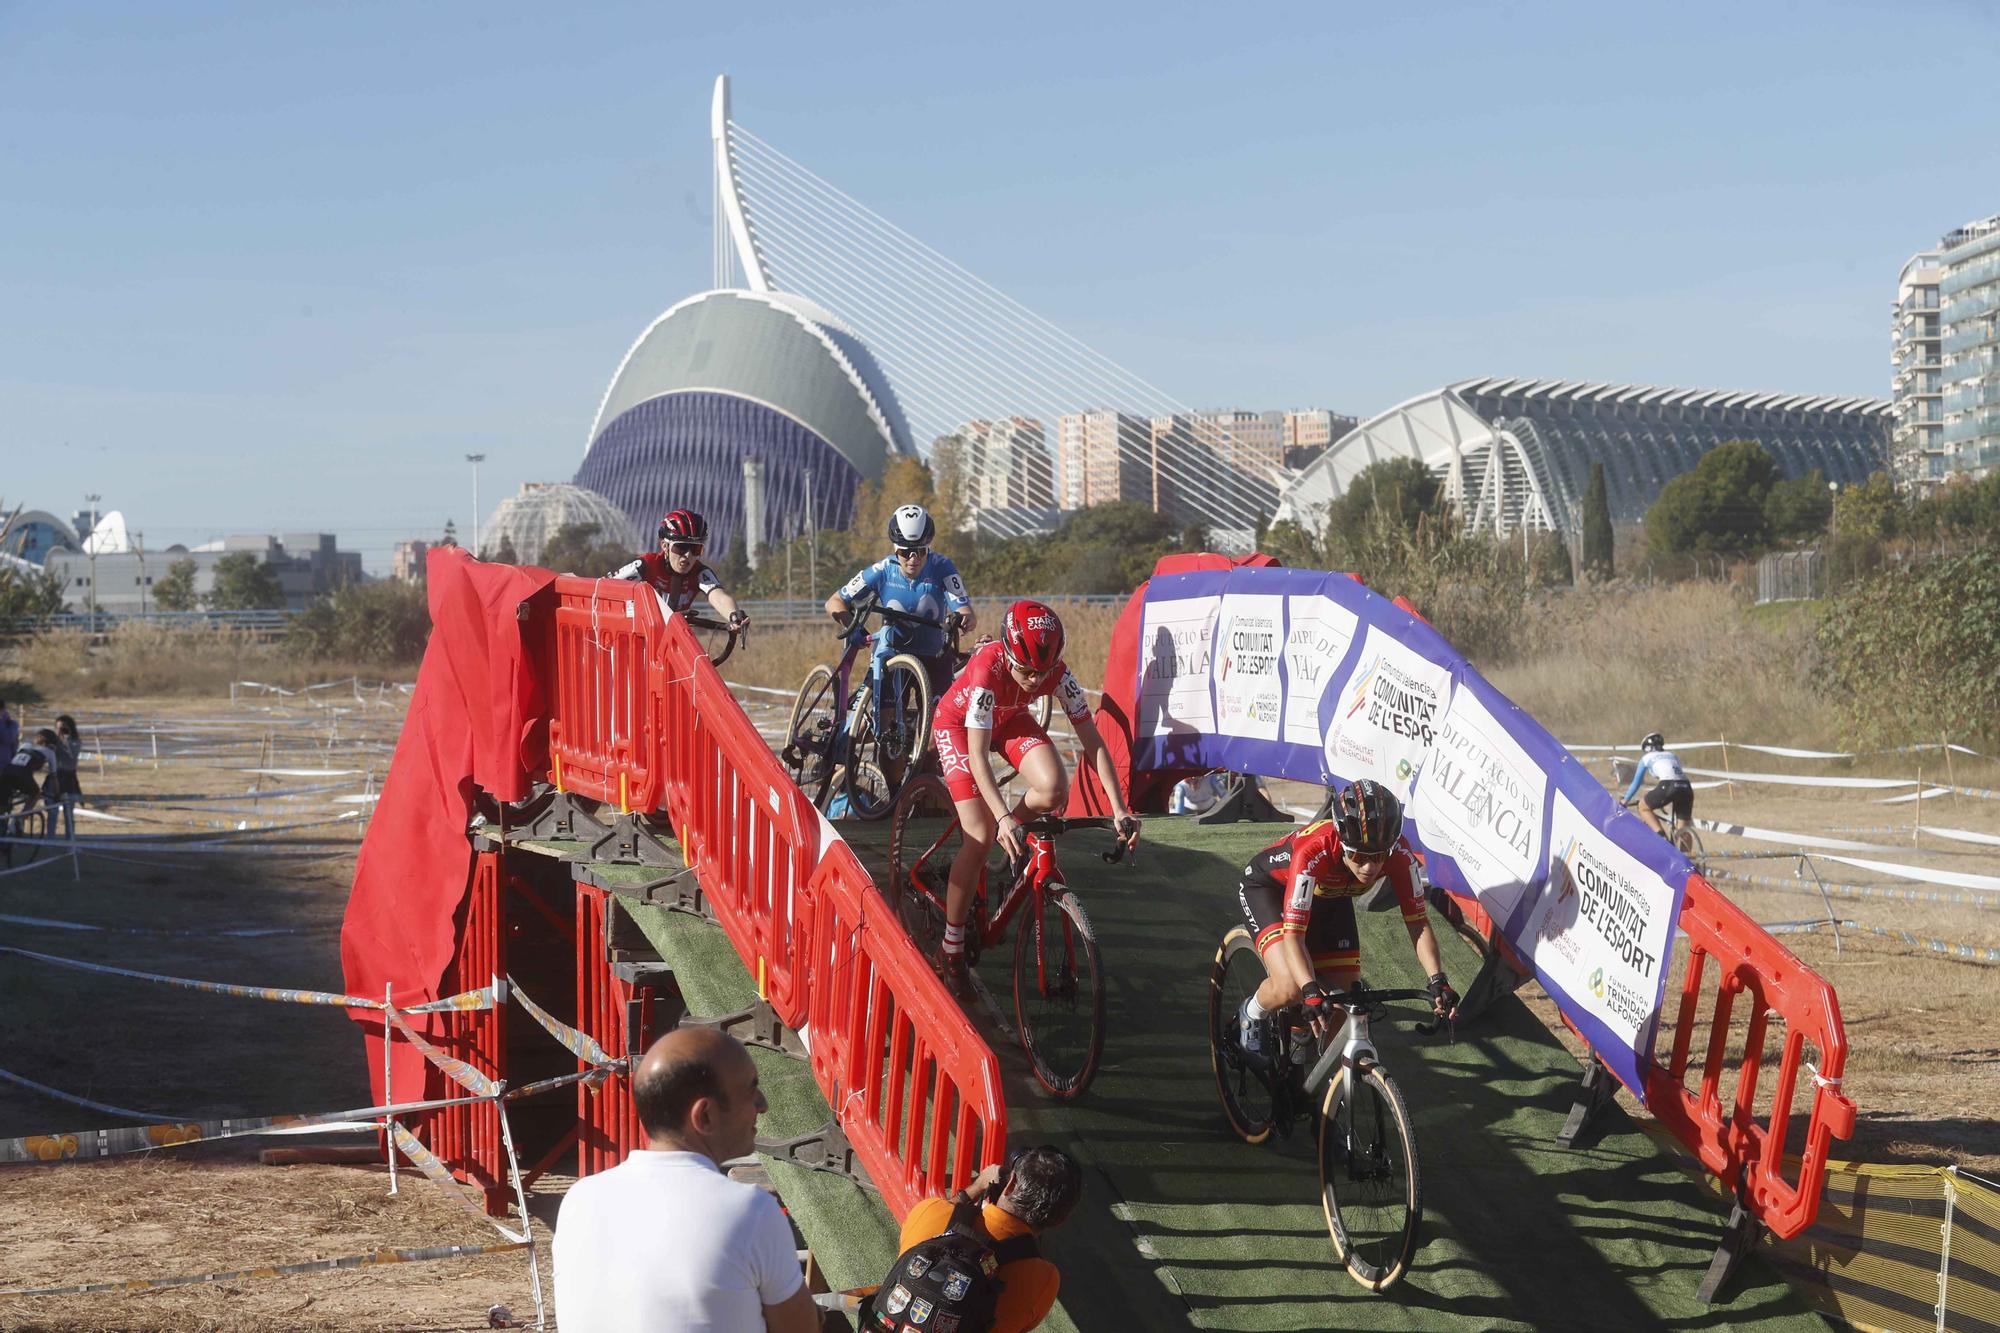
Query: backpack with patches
[945, 1284]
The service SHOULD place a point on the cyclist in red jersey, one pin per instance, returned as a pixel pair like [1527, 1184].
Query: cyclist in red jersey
[985, 709]
[1298, 896]
[676, 572]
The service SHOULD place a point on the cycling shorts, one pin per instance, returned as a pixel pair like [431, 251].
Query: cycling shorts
[1332, 940]
[1013, 738]
[1679, 794]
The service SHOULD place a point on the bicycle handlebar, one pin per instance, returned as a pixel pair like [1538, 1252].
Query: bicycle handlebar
[1125, 832]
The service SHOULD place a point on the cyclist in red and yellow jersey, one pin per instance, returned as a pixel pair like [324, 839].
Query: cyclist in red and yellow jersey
[1298, 895]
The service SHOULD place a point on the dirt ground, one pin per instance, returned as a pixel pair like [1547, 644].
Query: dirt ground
[1923, 1065]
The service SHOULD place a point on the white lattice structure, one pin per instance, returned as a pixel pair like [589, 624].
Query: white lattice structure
[1518, 451]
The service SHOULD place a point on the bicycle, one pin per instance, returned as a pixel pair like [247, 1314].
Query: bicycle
[872, 737]
[1370, 1184]
[712, 634]
[34, 825]
[1681, 833]
[1058, 970]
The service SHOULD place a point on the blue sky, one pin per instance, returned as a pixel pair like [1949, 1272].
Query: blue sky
[273, 267]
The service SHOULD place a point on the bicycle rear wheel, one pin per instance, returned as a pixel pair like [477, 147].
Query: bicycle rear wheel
[1059, 993]
[809, 741]
[887, 742]
[1245, 1090]
[1369, 1183]
[923, 840]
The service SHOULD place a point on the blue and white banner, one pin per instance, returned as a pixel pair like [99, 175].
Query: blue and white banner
[1301, 674]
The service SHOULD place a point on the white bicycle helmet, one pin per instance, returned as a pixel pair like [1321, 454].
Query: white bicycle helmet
[911, 526]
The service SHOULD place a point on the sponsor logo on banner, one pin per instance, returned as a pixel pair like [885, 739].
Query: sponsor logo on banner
[1174, 645]
[1316, 640]
[1602, 927]
[1388, 716]
[1247, 694]
[1480, 801]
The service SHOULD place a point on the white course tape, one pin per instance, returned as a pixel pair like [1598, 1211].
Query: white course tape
[305, 772]
[1959, 878]
[1791, 839]
[1801, 780]
[1905, 799]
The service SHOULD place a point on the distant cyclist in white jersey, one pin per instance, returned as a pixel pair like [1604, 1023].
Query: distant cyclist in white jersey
[1670, 783]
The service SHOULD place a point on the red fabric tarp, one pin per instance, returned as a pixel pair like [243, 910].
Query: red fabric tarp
[479, 718]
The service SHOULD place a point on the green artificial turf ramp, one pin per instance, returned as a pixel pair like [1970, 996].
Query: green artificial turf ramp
[1183, 1225]
[850, 1233]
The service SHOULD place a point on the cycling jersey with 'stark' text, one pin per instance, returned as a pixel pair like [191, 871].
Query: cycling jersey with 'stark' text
[986, 695]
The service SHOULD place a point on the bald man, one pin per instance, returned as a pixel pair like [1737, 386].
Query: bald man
[664, 1240]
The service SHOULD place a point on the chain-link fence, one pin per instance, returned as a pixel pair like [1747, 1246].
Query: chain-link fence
[1790, 576]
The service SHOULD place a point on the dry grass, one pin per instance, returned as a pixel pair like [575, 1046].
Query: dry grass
[1684, 659]
[146, 660]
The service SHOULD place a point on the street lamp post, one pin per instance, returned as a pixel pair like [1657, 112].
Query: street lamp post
[91, 541]
[475, 460]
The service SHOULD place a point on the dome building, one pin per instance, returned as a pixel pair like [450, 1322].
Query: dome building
[730, 376]
[529, 519]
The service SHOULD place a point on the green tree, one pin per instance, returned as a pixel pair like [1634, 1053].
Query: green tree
[734, 568]
[1597, 539]
[450, 537]
[175, 591]
[1797, 509]
[29, 592]
[1915, 652]
[1963, 510]
[575, 548]
[1870, 510]
[243, 582]
[1717, 507]
[378, 624]
[1402, 488]
[504, 553]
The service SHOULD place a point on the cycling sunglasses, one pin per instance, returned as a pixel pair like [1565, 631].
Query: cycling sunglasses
[685, 548]
[906, 552]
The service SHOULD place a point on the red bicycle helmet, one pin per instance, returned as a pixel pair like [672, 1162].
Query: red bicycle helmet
[1032, 636]
[684, 525]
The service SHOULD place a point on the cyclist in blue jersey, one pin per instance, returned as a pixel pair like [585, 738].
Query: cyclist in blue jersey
[1670, 783]
[915, 579]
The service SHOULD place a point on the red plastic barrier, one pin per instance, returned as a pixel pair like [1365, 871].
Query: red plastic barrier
[1732, 956]
[744, 825]
[607, 1124]
[910, 1080]
[604, 734]
[467, 1138]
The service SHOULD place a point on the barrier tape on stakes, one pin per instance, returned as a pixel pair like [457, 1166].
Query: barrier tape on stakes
[1756, 834]
[1885, 892]
[580, 1044]
[373, 1259]
[285, 794]
[244, 932]
[439, 1175]
[1956, 878]
[1786, 751]
[21, 1080]
[483, 998]
[453, 1068]
[1976, 953]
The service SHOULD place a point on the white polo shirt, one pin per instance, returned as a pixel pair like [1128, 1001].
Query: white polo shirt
[665, 1243]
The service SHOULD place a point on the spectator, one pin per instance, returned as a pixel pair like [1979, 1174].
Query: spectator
[10, 735]
[69, 745]
[664, 1242]
[31, 772]
[1035, 1194]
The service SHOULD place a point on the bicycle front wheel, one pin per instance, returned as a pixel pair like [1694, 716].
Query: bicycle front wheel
[1059, 993]
[809, 741]
[1243, 1084]
[887, 741]
[1368, 1176]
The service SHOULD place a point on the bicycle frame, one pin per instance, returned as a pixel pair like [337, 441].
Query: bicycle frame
[1041, 873]
[858, 637]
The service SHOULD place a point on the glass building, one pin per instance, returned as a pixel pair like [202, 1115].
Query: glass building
[1516, 452]
[730, 377]
[1969, 328]
[526, 521]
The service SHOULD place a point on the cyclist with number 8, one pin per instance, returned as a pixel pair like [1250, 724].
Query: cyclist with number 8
[914, 579]
[1298, 895]
[986, 709]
